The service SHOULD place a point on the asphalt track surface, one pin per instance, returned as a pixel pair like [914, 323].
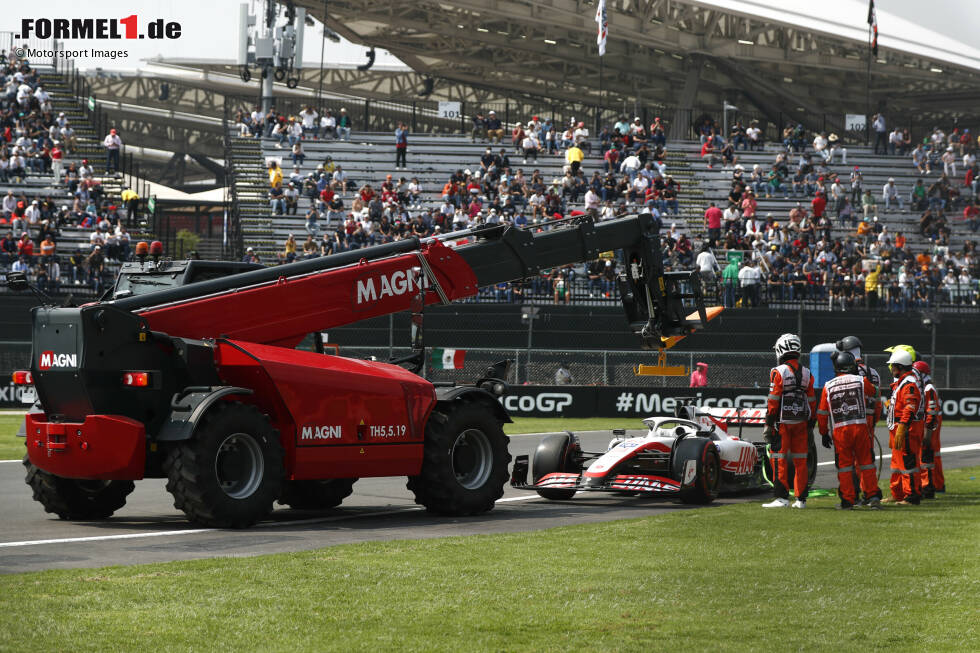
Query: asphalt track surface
[149, 529]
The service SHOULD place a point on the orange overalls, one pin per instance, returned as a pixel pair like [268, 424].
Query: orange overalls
[905, 407]
[873, 412]
[843, 403]
[931, 466]
[791, 403]
[873, 404]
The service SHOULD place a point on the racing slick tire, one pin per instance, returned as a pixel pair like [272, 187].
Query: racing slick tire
[316, 495]
[76, 499]
[464, 460]
[707, 479]
[230, 472]
[555, 454]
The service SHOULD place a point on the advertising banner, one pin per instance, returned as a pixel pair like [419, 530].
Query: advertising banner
[622, 401]
[612, 401]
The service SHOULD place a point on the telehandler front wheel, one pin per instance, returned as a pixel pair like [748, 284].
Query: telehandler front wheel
[231, 471]
[465, 458]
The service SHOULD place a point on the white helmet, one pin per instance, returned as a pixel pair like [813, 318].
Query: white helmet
[900, 356]
[788, 343]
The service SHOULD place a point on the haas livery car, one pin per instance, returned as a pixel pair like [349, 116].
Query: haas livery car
[693, 456]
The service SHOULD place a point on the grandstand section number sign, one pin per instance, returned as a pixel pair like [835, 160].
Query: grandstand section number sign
[450, 109]
[855, 122]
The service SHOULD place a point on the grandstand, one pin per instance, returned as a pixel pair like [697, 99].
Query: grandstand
[369, 157]
[68, 233]
[534, 58]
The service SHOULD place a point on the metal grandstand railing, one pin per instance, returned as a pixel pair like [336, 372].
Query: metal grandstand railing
[49, 47]
[131, 172]
[97, 118]
[422, 116]
[232, 244]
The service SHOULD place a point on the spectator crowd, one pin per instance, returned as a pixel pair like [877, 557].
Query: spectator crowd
[625, 172]
[836, 244]
[35, 139]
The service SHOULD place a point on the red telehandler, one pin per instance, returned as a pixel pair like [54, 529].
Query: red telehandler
[189, 371]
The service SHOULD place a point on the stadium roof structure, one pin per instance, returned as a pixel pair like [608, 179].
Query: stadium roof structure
[805, 62]
[674, 53]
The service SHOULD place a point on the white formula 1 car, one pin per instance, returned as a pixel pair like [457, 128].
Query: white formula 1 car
[694, 456]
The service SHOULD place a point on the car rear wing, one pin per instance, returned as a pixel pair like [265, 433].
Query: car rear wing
[719, 417]
[726, 418]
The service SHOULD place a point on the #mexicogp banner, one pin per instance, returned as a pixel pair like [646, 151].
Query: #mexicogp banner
[447, 359]
[637, 403]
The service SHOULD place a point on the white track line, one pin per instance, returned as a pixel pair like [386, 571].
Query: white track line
[100, 538]
[520, 498]
[194, 531]
[319, 520]
[959, 447]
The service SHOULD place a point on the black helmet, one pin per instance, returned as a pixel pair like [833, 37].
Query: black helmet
[844, 361]
[848, 343]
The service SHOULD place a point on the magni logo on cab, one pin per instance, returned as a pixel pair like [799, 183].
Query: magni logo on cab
[50, 359]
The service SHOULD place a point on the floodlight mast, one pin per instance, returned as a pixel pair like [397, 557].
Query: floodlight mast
[272, 46]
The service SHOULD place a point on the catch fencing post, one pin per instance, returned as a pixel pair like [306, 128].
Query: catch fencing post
[391, 336]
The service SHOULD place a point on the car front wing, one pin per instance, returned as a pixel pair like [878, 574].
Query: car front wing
[645, 483]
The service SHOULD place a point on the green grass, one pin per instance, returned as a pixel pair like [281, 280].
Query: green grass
[552, 424]
[11, 447]
[734, 578]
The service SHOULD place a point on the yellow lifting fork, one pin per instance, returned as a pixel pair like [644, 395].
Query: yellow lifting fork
[661, 368]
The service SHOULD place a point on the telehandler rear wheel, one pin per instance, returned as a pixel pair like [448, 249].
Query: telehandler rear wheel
[464, 465]
[76, 499]
[231, 471]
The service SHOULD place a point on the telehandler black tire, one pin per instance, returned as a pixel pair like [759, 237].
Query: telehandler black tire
[76, 499]
[230, 472]
[465, 459]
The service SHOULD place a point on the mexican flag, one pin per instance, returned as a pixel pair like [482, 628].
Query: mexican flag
[448, 359]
